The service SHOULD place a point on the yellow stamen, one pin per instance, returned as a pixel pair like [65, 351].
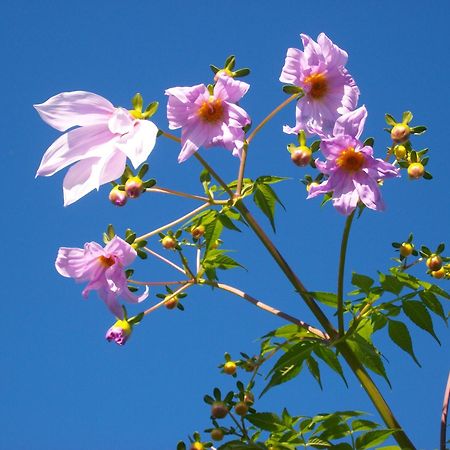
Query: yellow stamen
[350, 160]
[211, 110]
[106, 261]
[318, 85]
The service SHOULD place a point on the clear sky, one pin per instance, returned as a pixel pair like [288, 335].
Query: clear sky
[62, 385]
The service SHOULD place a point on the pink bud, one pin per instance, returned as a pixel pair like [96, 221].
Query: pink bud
[118, 197]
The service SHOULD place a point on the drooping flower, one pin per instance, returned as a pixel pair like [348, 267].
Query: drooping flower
[208, 119]
[103, 268]
[105, 137]
[353, 173]
[119, 332]
[329, 89]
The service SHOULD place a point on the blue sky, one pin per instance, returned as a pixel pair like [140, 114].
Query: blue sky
[62, 385]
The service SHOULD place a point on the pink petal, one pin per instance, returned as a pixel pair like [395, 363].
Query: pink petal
[69, 109]
[193, 137]
[351, 123]
[90, 173]
[139, 143]
[291, 70]
[75, 145]
[229, 89]
[76, 262]
[120, 121]
[368, 191]
[124, 251]
[332, 53]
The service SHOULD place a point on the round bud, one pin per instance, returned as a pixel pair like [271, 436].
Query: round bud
[230, 367]
[310, 185]
[302, 156]
[172, 303]
[241, 409]
[400, 132]
[134, 187]
[197, 446]
[198, 232]
[438, 273]
[249, 398]
[434, 262]
[168, 242]
[400, 151]
[217, 434]
[415, 170]
[219, 410]
[118, 197]
[406, 249]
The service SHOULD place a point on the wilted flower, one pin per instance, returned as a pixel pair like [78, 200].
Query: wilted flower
[208, 119]
[329, 89]
[353, 173]
[119, 332]
[103, 268]
[100, 146]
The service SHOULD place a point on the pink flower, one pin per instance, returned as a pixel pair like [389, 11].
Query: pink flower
[119, 332]
[103, 268]
[208, 119]
[100, 146]
[353, 173]
[329, 89]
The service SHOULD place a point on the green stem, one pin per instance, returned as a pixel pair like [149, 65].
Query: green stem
[340, 288]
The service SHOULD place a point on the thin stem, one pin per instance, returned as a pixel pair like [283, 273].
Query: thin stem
[175, 222]
[444, 415]
[320, 334]
[241, 429]
[340, 289]
[177, 193]
[214, 174]
[156, 283]
[241, 170]
[167, 261]
[170, 136]
[169, 297]
[187, 269]
[273, 113]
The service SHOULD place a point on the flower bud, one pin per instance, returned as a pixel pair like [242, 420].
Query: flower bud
[241, 409]
[310, 185]
[400, 132]
[434, 262]
[118, 197]
[400, 151]
[216, 434]
[416, 170]
[172, 303]
[406, 249]
[168, 242]
[219, 410]
[230, 367]
[198, 232]
[134, 187]
[119, 332]
[301, 156]
[438, 273]
[197, 446]
[249, 398]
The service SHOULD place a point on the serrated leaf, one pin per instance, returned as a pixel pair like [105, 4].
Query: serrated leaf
[265, 200]
[419, 314]
[266, 421]
[329, 357]
[227, 222]
[362, 281]
[327, 298]
[390, 283]
[433, 304]
[372, 438]
[399, 334]
[363, 425]
[213, 231]
[313, 367]
[314, 441]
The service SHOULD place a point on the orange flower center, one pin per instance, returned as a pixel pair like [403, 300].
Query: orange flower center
[106, 261]
[318, 85]
[350, 160]
[211, 110]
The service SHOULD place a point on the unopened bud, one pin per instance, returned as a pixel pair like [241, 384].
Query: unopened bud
[434, 262]
[168, 242]
[230, 367]
[406, 249]
[400, 133]
[134, 187]
[310, 185]
[219, 410]
[216, 434]
[197, 446]
[400, 151]
[172, 302]
[416, 170]
[198, 232]
[301, 156]
[241, 409]
[438, 273]
[118, 197]
[119, 332]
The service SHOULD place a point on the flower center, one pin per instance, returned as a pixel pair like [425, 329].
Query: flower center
[350, 160]
[211, 110]
[106, 261]
[318, 85]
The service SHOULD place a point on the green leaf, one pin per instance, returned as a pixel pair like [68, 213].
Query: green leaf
[390, 120]
[362, 281]
[418, 130]
[291, 89]
[241, 72]
[265, 198]
[407, 117]
[151, 109]
[227, 222]
[137, 101]
[372, 438]
[327, 298]
[399, 334]
[369, 142]
[269, 179]
[419, 314]
[213, 231]
[390, 283]
[363, 425]
[313, 367]
[266, 421]
[368, 355]
[433, 304]
[329, 357]
[315, 441]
